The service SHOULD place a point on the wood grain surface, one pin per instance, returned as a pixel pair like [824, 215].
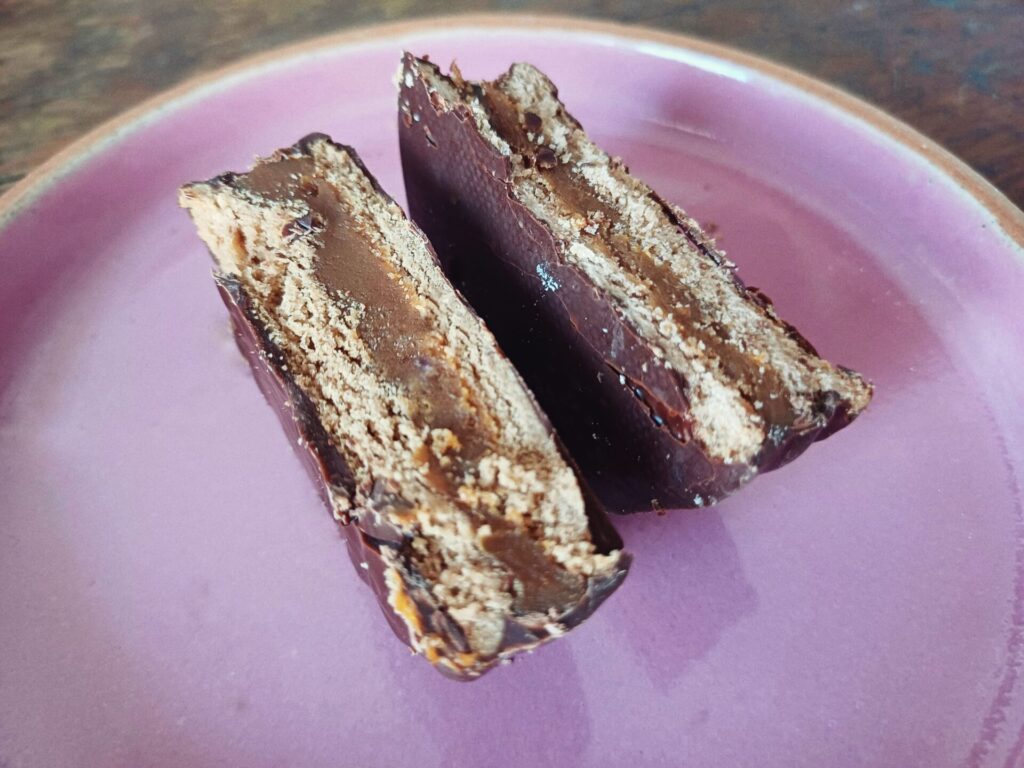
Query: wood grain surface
[952, 69]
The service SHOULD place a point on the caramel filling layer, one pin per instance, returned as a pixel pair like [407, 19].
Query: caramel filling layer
[404, 345]
[407, 350]
[759, 385]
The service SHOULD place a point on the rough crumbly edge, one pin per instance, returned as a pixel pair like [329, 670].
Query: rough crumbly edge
[526, 482]
[726, 423]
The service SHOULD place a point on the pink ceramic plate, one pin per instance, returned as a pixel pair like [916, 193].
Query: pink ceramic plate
[172, 593]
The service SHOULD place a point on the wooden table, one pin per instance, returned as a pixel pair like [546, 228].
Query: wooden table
[952, 69]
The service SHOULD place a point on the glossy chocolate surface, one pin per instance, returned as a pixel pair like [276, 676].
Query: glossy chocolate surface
[625, 419]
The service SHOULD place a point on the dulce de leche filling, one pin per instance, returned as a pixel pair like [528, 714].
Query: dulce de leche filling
[406, 349]
[760, 386]
[403, 344]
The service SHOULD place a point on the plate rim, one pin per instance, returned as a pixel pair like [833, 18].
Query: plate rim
[44, 176]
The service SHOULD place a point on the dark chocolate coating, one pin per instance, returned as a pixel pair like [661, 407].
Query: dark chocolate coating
[298, 418]
[373, 543]
[625, 419]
